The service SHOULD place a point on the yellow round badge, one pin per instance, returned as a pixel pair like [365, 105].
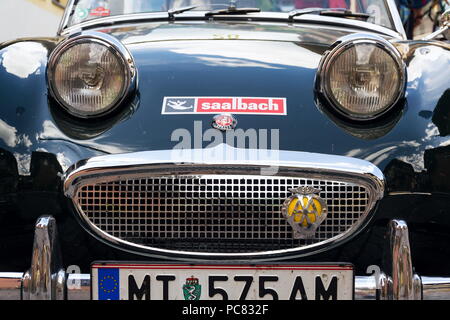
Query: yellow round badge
[305, 210]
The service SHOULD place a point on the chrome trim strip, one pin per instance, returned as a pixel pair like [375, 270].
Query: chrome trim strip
[10, 285]
[365, 288]
[260, 16]
[344, 43]
[436, 33]
[371, 288]
[436, 288]
[417, 287]
[78, 286]
[224, 159]
[26, 283]
[125, 18]
[66, 16]
[408, 193]
[130, 72]
[396, 19]
[385, 287]
[59, 283]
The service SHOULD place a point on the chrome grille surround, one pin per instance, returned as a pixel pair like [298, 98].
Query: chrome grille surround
[145, 203]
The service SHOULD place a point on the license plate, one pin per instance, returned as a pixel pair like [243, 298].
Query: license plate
[117, 281]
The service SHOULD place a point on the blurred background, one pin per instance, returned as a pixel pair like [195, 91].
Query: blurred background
[31, 18]
[28, 18]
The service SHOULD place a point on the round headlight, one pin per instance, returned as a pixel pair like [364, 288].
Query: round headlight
[89, 75]
[362, 77]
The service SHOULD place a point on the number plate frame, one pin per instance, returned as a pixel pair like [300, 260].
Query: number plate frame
[210, 278]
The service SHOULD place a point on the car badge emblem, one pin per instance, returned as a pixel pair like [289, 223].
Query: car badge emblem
[192, 290]
[305, 210]
[224, 122]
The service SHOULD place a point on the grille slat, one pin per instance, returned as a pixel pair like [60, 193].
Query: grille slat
[214, 213]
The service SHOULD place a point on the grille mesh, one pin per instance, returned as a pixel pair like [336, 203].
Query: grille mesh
[217, 214]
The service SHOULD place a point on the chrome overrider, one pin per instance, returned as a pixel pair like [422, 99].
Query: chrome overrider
[47, 280]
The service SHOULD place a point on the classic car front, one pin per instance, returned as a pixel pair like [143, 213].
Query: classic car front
[247, 150]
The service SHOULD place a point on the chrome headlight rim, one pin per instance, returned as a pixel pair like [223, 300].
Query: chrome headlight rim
[114, 46]
[343, 44]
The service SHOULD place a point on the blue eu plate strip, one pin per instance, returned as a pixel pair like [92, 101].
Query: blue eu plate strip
[108, 284]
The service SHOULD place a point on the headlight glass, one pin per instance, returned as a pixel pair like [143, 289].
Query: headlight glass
[89, 77]
[363, 79]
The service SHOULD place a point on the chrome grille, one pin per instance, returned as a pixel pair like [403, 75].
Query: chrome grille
[214, 213]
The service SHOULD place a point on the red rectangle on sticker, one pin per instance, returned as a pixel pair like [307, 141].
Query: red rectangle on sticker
[218, 105]
[261, 105]
[275, 106]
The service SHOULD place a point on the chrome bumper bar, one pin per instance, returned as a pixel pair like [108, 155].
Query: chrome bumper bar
[47, 280]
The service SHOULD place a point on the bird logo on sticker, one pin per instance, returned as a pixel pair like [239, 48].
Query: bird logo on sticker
[179, 105]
